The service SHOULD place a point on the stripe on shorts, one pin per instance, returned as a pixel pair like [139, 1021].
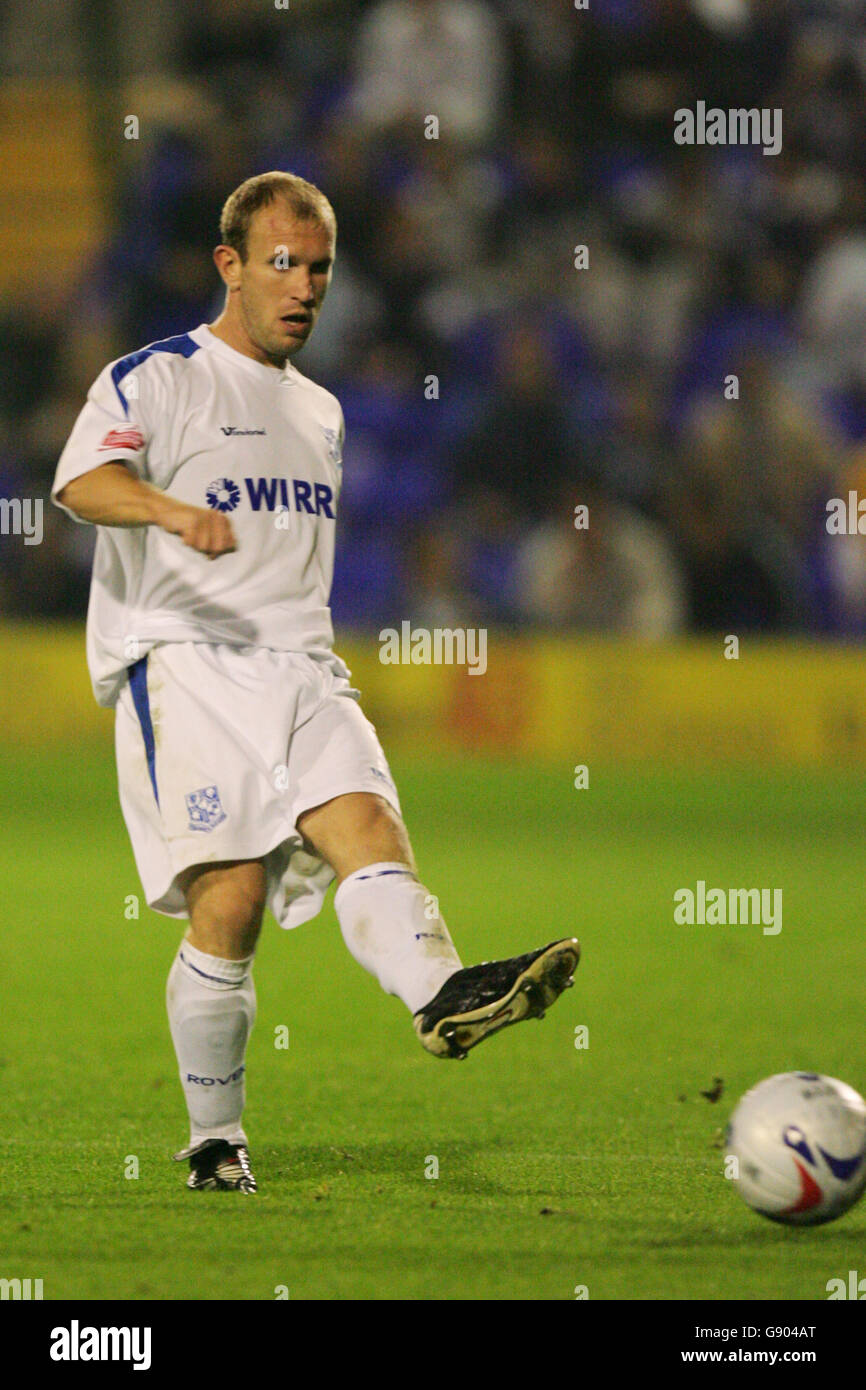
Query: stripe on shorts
[141, 700]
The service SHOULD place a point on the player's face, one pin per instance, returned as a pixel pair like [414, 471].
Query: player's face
[283, 281]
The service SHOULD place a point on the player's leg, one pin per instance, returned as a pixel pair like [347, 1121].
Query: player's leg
[354, 830]
[225, 903]
[211, 1008]
[393, 927]
[390, 922]
[206, 816]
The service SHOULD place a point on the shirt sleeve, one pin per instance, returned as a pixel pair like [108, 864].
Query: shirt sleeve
[111, 426]
[341, 444]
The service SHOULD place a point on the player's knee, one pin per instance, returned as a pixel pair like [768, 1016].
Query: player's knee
[227, 928]
[379, 824]
[356, 829]
[382, 837]
[375, 813]
[239, 906]
[225, 910]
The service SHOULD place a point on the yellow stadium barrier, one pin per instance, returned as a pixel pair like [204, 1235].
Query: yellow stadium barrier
[577, 699]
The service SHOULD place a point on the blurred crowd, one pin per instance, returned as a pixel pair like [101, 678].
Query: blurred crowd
[696, 379]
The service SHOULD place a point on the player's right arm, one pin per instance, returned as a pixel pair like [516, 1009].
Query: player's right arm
[111, 495]
[106, 473]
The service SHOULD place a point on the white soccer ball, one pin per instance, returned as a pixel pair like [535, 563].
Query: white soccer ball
[799, 1141]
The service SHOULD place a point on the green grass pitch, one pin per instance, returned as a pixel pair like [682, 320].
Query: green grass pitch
[558, 1167]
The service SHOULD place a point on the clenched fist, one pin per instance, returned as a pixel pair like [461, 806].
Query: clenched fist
[112, 495]
[207, 531]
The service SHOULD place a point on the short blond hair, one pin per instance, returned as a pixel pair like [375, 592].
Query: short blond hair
[307, 202]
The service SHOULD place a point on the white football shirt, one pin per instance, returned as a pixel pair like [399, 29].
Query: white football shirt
[212, 427]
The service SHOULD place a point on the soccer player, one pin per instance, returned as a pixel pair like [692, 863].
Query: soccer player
[248, 774]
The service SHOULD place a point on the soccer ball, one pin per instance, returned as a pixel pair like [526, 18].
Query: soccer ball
[800, 1144]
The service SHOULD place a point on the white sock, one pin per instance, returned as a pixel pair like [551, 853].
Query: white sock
[211, 1010]
[392, 927]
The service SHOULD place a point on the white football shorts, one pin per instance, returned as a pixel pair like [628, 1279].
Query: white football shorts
[220, 749]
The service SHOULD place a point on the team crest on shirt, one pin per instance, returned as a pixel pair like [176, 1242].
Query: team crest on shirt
[205, 809]
[332, 439]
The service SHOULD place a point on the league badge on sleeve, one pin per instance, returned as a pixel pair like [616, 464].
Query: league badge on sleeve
[123, 439]
[205, 809]
[332, 439]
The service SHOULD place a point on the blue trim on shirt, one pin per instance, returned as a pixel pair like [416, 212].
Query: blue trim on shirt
[141, 700]
[182, 343]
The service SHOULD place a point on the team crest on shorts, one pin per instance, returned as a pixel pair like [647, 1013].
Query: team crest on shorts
[205, 809]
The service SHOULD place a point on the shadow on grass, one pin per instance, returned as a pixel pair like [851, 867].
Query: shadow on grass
[317, 1163]
[768, 1234]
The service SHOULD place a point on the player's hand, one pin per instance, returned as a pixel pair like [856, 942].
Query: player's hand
[206, 531]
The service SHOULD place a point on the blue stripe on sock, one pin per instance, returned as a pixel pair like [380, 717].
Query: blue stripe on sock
[383, 873]
[218, 978]
[141, 700]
